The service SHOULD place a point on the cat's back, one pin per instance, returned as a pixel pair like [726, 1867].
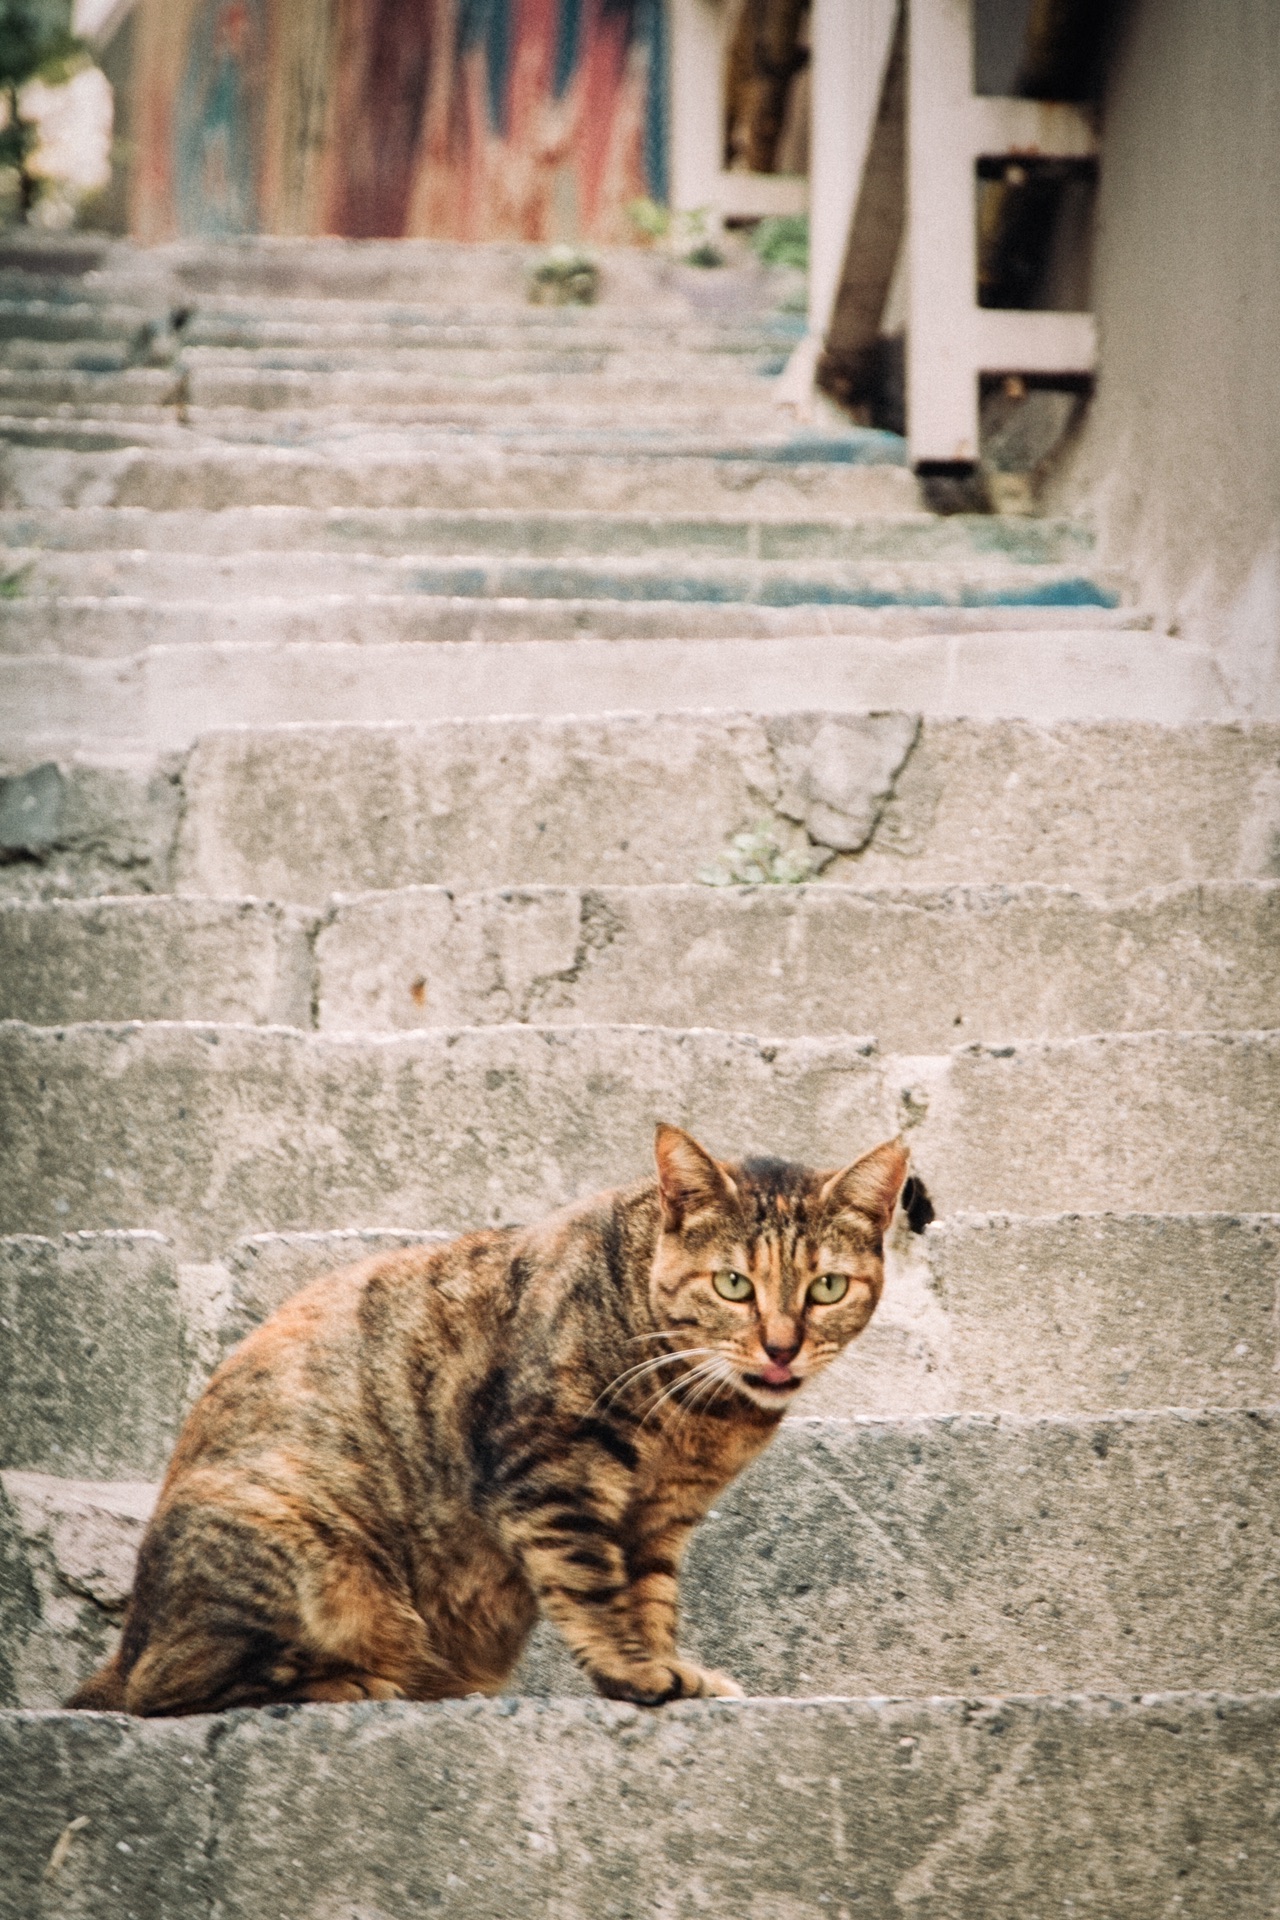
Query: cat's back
[380, 1339]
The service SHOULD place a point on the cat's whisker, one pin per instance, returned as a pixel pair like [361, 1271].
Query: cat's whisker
[705, 1368]
[642, 1367]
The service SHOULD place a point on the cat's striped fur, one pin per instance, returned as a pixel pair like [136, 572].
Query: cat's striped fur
[384, 1484]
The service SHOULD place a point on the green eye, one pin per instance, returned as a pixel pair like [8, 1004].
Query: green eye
[828, 1288]
[732, 1286]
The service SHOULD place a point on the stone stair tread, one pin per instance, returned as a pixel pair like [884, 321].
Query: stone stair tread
[919, 967]
[105, 1337]
[918, 1556]
[602, 532]
[299, 813]
[205, 1132]
[400, 1809]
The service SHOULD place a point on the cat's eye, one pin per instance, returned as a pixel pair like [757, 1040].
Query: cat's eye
[732, 1286]
[828, 1288]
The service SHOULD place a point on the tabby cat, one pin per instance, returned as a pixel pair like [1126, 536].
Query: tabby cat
[384, 1484]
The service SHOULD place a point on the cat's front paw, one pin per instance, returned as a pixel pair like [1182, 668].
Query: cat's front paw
[706, 1683]
[652, 1683]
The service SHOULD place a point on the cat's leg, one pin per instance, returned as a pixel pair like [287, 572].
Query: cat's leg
[653, 1561]
[574, 1559]
[227, 1612]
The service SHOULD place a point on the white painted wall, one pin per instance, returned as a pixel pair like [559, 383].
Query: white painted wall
[1180, 455]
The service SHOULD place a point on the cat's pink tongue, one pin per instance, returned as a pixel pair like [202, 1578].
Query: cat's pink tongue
[775, 1376]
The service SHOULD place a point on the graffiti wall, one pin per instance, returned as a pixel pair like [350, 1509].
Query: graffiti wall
[454, 119]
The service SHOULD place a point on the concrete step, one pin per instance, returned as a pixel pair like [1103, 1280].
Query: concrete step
[369, 327]
[164, 698]
[121, 625]
[889, 1557]
[919, 968]
[105, 1339]
[453, 476]
[632, 361]
[75, 320]
[298, 813]
[549, 533]
[933, 1807]
[975, 581]
[206, 1133]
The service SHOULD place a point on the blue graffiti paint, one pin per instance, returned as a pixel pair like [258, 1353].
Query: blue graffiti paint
[652, 23]
[568, 35]
[216, 122]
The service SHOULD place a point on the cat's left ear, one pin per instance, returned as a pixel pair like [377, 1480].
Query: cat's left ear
[871, 1185]
[689, 1180]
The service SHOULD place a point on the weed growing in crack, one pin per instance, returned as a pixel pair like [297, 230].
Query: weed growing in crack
[756, 858]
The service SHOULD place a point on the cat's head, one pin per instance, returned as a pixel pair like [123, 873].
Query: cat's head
[769, 1268]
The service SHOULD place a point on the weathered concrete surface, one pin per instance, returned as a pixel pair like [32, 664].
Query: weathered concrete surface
[774, 1809]
[214, 477]
[1076, 1315]
[84, 829]
[919, 969]
[557, 532]
[92, 1360]
[1068, 1316]
[67, 1554]
[1162, 1122]
[148, 959]
[974, 581]
[1191, 198]
[298, 813]
[119, 625]
[893, 1557]
[167, 696]
[208, 1133]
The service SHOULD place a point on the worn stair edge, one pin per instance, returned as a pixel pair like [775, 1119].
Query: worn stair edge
[163, 699]
[1133, 1551]
[105, 1339]
[920, 968]
[297, 813]
[932, 1807]
[206, 1133]
[555, 532]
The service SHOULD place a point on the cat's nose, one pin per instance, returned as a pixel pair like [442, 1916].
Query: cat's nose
[781, 1348]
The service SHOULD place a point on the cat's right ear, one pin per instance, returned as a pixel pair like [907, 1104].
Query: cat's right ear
[689, 1180]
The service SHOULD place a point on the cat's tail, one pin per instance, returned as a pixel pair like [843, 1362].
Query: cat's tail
[102, 1692]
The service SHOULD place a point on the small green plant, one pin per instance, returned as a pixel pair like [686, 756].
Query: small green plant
[14, 585]
[756, 858]
[566, 278]
[35, 40]
[783, 241]
[651, 221]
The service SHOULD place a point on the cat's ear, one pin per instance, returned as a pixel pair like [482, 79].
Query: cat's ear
[871, 1185]
[689, 1180]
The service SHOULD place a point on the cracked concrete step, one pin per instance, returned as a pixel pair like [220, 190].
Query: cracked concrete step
[974, 582]
[921, 969]
[214, 476]
[165, 697]
[932, 1807]
[209, 1132]
[298, 813]
[548, 533]
[120, 625]
[886, 1557]
[105, 1339]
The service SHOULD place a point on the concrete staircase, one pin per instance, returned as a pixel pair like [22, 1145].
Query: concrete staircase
[442, 736]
